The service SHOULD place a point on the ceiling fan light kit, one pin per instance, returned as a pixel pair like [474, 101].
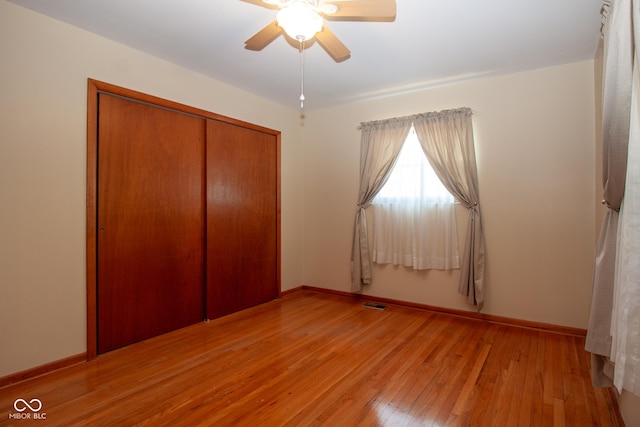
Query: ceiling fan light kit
[303, 20]
[299, 21]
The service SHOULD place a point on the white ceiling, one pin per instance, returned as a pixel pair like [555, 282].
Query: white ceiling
[430, 42]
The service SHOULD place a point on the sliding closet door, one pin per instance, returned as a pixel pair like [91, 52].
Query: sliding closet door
[241, 218]
[150, 221]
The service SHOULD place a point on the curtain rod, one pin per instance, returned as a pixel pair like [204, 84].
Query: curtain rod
[403, 120]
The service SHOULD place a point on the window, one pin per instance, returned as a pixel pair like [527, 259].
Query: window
[413, 178]
[414, 218]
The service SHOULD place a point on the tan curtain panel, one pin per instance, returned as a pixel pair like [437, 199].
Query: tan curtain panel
[381, 142]
[617, 88]
[447, 140]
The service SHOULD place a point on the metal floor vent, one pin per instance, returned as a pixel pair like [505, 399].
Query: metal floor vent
[375, 305]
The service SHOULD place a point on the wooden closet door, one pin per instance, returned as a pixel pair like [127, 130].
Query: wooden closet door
[150, 221]
[241, 218]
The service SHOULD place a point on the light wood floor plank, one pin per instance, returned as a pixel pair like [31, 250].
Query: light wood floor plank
[314, 359]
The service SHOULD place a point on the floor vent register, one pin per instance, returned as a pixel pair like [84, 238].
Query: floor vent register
[375, 306]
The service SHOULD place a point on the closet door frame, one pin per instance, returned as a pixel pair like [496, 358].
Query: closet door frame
[94, 88]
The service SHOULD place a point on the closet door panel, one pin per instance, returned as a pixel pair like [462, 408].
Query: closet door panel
[241, 218]
[150, 277]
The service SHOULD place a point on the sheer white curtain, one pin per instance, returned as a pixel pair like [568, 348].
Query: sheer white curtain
[414, 218]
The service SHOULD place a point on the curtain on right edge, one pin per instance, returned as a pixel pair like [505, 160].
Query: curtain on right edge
[613, 335]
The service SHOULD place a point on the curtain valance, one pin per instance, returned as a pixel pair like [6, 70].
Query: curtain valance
[408, 120]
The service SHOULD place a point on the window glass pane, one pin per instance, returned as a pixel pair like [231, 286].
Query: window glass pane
[413, 179]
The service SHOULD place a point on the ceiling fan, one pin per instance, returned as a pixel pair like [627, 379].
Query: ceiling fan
[303, 19]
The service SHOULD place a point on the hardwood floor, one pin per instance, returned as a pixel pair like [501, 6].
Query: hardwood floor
[314, 359]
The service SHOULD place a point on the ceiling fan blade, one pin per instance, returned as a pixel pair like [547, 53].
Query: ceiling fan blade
[362, 10]
[263, 37]
[262, 3]
[334, 47]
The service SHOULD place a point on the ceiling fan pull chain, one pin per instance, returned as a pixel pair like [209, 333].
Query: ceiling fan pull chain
[301, 73]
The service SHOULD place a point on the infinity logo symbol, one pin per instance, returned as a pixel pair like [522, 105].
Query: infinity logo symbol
[37, 405]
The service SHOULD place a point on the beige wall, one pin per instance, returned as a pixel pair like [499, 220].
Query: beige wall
[536, 156]
[45, 66]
